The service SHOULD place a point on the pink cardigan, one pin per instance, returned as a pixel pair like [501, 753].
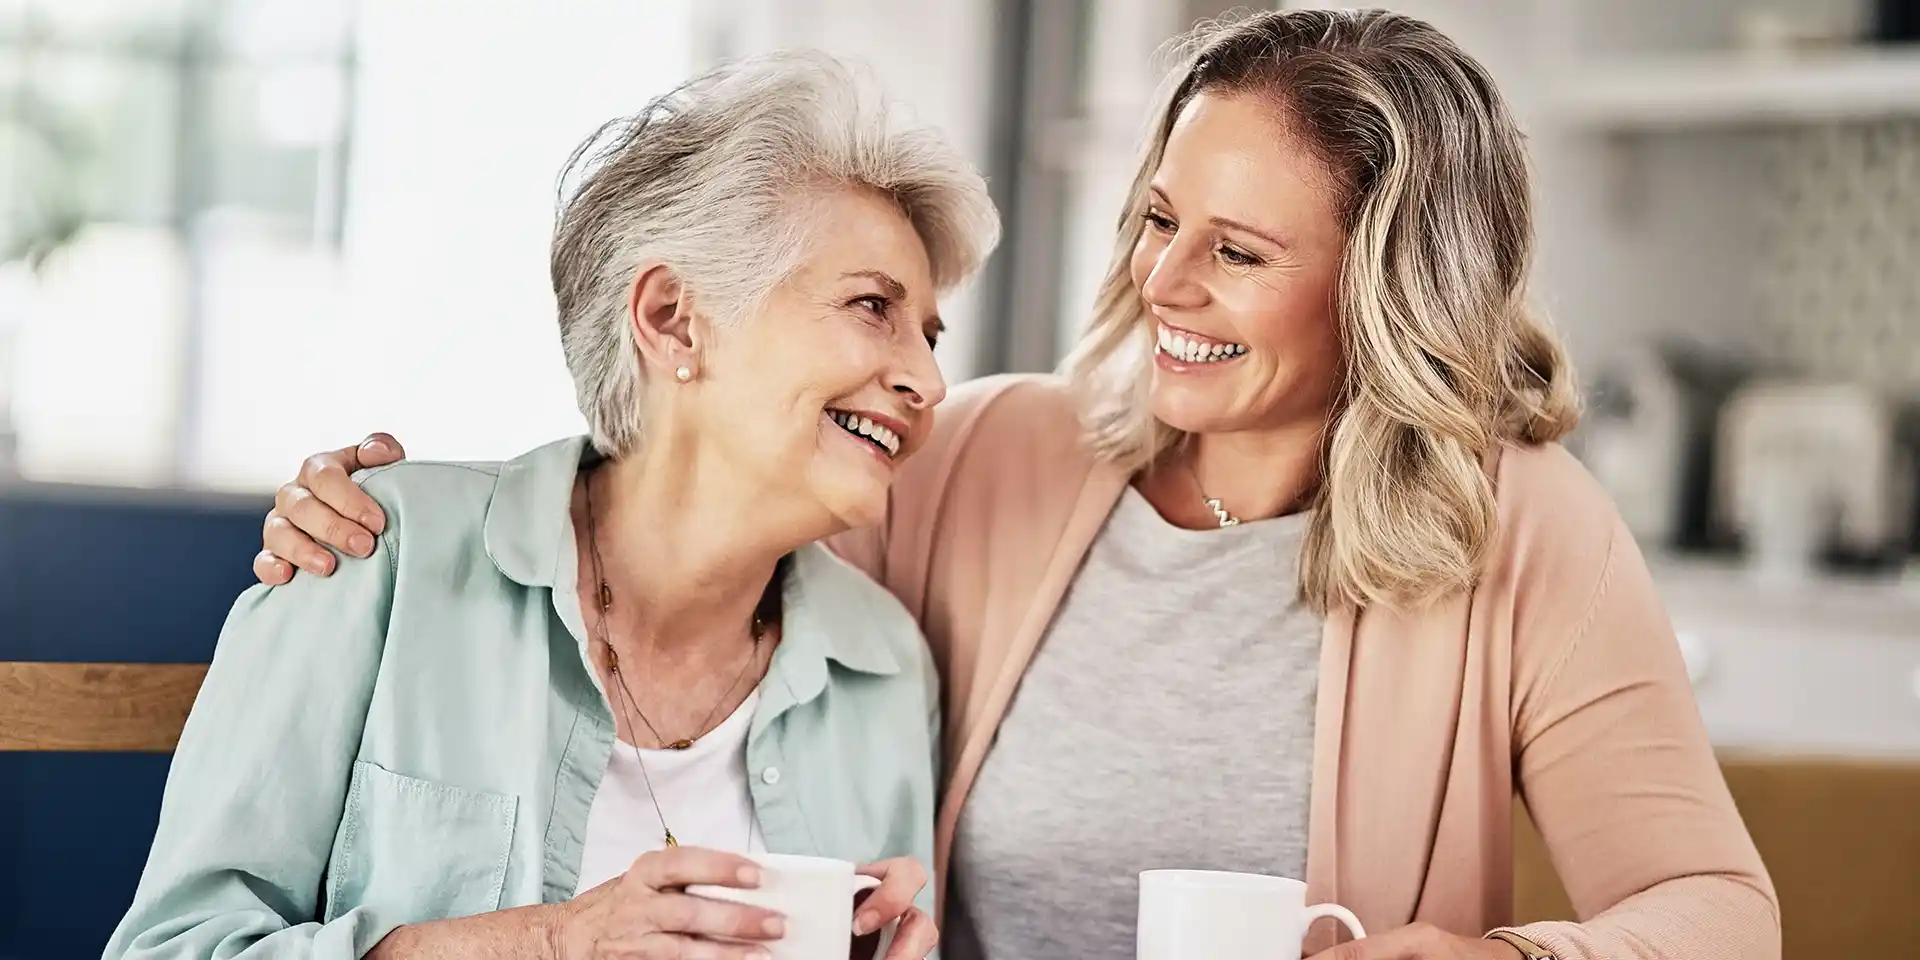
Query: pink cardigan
[1558, 677]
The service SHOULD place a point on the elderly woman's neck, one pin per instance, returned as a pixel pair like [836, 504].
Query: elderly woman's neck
[696, 555]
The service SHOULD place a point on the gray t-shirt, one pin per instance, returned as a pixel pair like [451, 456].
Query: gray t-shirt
[1166, 721]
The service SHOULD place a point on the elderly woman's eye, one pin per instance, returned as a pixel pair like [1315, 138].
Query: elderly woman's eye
[873, 302]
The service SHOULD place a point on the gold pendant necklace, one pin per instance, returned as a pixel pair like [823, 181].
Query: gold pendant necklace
[1219, 510]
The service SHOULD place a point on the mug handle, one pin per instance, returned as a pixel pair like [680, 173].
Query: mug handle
[863, 882]
[1323, 910]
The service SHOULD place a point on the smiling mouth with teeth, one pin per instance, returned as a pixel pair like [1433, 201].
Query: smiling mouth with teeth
[877, 434]
[1186, 347]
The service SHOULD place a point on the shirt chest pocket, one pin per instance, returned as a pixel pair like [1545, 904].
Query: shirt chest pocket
[413, 850]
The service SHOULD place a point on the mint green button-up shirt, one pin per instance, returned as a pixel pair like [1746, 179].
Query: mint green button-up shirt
[420, 736]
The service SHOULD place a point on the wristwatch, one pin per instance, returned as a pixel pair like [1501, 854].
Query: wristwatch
[1527, 948]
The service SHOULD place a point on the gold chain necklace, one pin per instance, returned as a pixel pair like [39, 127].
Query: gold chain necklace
[604, 597]
[706, 726]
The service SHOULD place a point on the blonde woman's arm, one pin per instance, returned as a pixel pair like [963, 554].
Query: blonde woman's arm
[1617, 772]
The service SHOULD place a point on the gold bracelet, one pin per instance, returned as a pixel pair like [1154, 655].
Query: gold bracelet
[1527, 948]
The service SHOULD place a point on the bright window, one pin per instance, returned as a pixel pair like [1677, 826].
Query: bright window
[287, 227]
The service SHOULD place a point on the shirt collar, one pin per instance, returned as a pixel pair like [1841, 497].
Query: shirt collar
[828, 615]
[829, 607]
[529, 523]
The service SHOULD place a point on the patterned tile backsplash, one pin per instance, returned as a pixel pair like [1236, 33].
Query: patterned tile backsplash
[1839, 279]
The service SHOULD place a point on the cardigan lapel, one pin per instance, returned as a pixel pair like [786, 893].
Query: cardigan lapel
[1329, 716]
[1387, 719]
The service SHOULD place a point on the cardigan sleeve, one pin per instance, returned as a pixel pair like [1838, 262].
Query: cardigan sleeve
[1616, 770]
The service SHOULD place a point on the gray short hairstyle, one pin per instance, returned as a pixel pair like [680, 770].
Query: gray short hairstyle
[713, 179]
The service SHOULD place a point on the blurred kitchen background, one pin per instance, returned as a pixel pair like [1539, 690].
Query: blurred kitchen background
[235, 232]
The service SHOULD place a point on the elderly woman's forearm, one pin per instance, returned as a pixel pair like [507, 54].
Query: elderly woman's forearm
[522, 933]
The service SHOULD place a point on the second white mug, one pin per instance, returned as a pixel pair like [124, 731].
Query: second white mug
[815, 894]
[1211, 915]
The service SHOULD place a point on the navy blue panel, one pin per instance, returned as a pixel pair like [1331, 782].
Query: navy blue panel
[74, 835]
[100, 576]
[100, 579]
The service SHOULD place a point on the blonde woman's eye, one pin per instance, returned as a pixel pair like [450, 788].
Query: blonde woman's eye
[1239, 258]
[1158, 221]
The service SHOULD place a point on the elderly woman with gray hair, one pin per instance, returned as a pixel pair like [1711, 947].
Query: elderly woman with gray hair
[568, 686]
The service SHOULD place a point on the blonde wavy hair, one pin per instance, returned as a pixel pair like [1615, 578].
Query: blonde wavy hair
[1444, 359]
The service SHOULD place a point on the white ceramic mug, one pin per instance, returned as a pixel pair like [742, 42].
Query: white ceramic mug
[815, 894]
[1210, 915]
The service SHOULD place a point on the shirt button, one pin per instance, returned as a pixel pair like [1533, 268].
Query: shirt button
[770, 776]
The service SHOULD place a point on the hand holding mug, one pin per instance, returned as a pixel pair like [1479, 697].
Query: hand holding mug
[646, 912]
[816, 896]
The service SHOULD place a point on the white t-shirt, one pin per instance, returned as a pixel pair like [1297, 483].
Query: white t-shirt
[703, 794]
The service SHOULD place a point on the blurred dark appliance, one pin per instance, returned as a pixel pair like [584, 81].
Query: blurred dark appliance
[1896, 21]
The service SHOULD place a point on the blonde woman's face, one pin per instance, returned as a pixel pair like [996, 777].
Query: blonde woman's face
[1238, 266]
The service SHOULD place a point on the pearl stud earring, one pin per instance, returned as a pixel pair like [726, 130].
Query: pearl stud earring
[683, 374]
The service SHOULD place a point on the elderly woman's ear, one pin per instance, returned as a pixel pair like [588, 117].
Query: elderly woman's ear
[660, 308]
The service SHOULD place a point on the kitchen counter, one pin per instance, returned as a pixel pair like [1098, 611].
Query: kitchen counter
[1830, 666]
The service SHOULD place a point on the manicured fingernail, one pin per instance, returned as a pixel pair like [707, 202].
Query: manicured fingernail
[865, 922]
[377, 447]
[370, 521]
[749, 876]
[774, 927]
[360, 544]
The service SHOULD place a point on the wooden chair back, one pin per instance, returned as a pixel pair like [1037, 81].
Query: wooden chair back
[96, 707]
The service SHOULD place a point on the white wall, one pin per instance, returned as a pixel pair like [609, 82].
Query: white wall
[438, 322]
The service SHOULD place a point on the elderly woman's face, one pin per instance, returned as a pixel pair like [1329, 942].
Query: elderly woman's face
[832, 384]
[1238, 267]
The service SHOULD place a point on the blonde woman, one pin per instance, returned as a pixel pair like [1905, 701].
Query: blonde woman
[1286, 572]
